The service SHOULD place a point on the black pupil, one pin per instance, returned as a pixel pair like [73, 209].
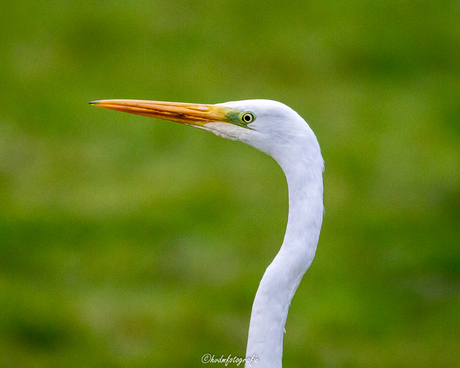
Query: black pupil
[247, 118]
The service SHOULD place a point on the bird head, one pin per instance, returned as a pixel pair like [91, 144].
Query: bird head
[269, 126]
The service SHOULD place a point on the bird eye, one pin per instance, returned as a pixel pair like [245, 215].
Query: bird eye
[247, 117]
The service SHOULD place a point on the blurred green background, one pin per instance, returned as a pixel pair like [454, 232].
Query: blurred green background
[132, 242]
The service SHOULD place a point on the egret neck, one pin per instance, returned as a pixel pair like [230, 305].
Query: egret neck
[283, 275]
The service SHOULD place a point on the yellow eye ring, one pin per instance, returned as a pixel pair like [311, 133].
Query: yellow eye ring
[247, 117]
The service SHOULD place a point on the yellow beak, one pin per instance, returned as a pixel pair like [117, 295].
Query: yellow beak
[185, 113]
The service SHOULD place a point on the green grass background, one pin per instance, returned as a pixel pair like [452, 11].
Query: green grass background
[132, 242]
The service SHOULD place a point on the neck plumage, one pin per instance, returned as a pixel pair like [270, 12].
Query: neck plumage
[282, 277]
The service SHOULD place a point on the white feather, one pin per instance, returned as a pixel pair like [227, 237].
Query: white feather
[281, 133]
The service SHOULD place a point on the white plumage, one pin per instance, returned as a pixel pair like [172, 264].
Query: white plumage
[280, 132]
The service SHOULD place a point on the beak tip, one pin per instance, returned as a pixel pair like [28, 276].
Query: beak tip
[94, 102]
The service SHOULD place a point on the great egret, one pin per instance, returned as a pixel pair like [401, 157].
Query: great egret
[280, 132]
